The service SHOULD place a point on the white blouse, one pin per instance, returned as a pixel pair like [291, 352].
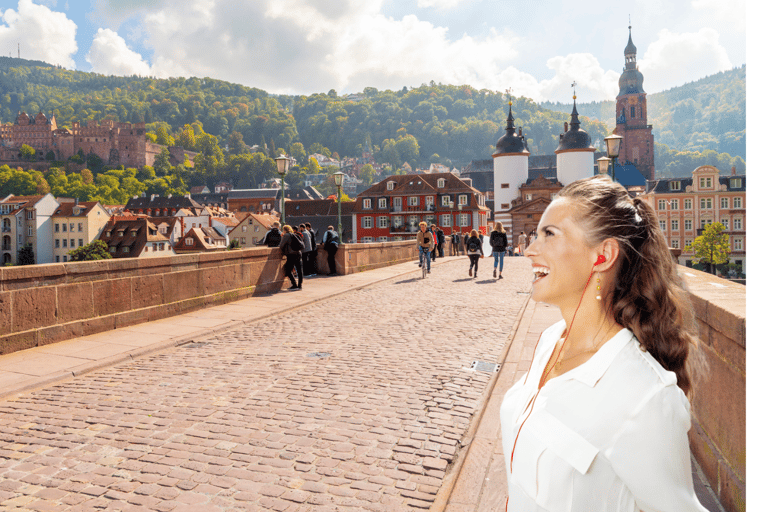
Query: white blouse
[608, 436]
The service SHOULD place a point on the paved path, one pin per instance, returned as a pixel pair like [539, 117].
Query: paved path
[356, 402]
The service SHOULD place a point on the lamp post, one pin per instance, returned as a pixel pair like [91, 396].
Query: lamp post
[338, 178]
[613, 144]
[450, 205]
[602, 164]
[282, 168]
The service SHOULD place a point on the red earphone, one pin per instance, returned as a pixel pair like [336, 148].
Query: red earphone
[600, 259]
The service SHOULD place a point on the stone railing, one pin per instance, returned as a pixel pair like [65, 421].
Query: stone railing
[718, 369]
[43, 304]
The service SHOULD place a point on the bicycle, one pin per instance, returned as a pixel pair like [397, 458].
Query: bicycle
[424, 270]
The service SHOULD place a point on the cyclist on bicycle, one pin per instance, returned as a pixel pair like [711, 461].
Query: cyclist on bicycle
[426, 243]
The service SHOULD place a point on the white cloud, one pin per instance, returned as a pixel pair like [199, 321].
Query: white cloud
[110, 55]
[593, 83]
[440, 4]
[674, 59]
[42, 34]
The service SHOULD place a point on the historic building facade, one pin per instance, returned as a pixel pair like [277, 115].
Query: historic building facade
[393, 208]
[685, 206]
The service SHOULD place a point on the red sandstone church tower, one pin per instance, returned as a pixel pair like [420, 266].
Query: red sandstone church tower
[632, 116]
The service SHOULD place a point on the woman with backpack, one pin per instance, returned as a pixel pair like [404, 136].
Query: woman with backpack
[499, 247]
[474, 251]
[292, 247]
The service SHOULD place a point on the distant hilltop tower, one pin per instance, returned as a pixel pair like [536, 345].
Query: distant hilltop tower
[510, 170]
[632, 116]
[575, 154]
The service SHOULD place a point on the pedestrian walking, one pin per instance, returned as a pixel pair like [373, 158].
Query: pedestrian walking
[474, 251]
[313, 253]
[600, 421]
[307, 248]
[292, 246]
[521, 244]
[433, 253]
[455, 241]
[499, 247]
[273, 236]
[440, 242]
[331, 245]
[426, 243]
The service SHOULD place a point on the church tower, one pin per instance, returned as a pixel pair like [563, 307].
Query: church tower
[510, 170]
[632, 116]
[575, 153]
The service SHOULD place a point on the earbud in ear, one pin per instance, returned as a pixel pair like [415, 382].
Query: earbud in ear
[600, 259]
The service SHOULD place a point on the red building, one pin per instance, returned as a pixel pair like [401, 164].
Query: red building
[392, 209]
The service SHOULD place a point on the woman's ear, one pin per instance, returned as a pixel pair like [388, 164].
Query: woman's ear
[607, 254]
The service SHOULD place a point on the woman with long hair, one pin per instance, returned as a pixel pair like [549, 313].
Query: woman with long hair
[600, 420]
[474, 251]
[499, 247]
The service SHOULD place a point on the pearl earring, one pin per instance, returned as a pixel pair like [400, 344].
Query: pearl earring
[598, 297]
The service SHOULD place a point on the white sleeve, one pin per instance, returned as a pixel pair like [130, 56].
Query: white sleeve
[652, 457]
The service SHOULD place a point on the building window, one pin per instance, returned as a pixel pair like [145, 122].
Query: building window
[112, 249]
[662, 204]
[126, 249]
[724, 203]
[663, 225]
[675, 243]
[245, 228]
[55, 228]
[429, 200]
[367, 204]
[413, 201]
[72, 227]
[705, 182]
[30, 214]
[445, 220]
[71, 242]
[705, 223]
[382, 203]
[688, 242]
[441, 183]
[688, 204]
[56, 243]
[397, 221]
[58, 259]
[367, 239]
[737, 203]
[738, 244]
[79, 242]
[381, 222]
[189, 241]
[528, 197]
[390, 185]
[80, 227]
[64, 227]
[254, 241]
[674, 225]
[64, 259]
[725, 223]
[383, 239]
[463, 200]
[367, 222]
[737, 224]
[464, 220]
[673, 204]
[64, 243]
[445, 200]
[505, 185]
[705, 203]
[735, 182]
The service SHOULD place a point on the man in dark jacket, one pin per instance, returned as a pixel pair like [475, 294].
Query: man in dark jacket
[440, 242]
[312, 265]
[331, 245]
[273, 236]
[292, 253]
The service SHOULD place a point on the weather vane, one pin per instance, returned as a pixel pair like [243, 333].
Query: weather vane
[574, 89]
[509, 95]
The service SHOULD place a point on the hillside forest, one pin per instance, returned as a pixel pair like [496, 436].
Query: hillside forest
[237, 130]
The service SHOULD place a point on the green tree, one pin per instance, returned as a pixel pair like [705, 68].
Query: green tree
[236, 144]
[96, 250]
[162, 163]
[27, 152]
[712, 247]
[26, 255]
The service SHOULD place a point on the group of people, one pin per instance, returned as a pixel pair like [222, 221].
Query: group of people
[431, 240]
[474, 247]
[299, 246]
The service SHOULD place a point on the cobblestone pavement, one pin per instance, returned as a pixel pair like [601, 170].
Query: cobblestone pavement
[354, 403]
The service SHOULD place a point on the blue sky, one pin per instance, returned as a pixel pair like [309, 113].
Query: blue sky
[536, 48]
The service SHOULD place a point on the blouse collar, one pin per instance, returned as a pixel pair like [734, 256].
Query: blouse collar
[591, 371]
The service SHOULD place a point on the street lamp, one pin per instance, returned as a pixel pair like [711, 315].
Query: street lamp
[338, 178]
[450, 205]
[282, 168]
[602, 164]
[613, 143]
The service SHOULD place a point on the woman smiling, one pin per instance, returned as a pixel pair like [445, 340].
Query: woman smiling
[600, 421]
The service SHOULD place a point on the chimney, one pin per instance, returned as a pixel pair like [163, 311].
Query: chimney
[733, 170]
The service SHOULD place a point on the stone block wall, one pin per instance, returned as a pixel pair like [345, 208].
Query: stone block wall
[718, 368]
[43, 304]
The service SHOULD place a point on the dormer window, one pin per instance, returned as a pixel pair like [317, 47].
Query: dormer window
[674, 185]
[367, 204]
[441, 183]
[390, 185]
[120, 233]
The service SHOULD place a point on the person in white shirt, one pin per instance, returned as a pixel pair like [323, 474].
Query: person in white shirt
[599, 422]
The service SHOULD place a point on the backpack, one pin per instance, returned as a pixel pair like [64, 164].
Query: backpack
[333, 239]
[297, 245]
[472, 245]
[497, 240]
